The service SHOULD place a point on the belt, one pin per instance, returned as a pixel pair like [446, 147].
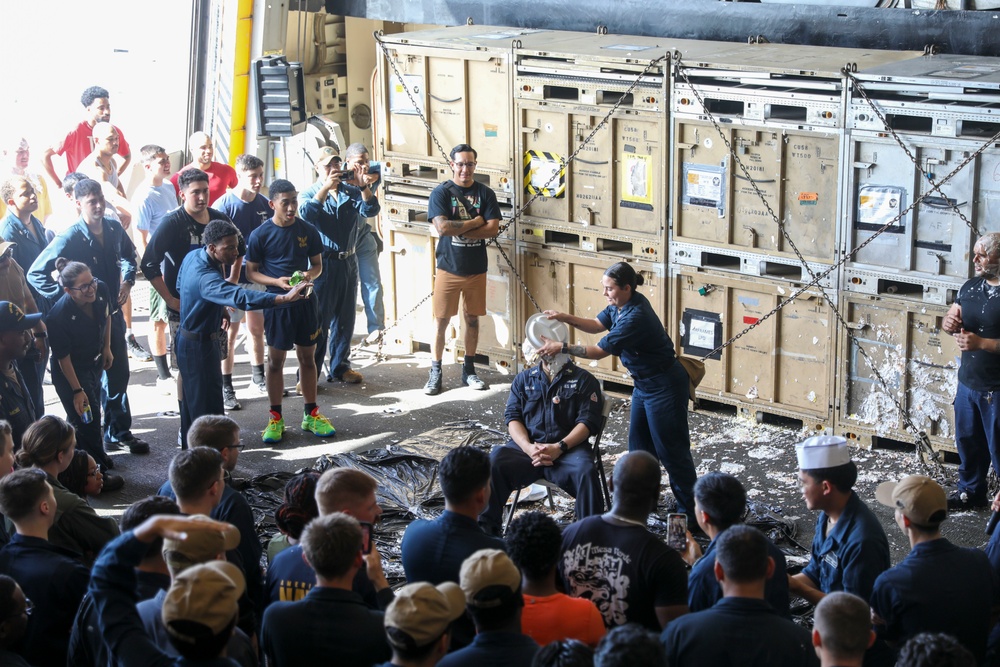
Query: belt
[339, 255]
[653, 372]
[194, 335]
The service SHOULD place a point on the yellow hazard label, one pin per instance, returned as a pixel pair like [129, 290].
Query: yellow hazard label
[544, 174]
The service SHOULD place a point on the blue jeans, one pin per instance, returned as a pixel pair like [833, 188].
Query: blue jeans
[977, 437]
[336, 293]
[114, 386]
[659, 425]
[371, 281]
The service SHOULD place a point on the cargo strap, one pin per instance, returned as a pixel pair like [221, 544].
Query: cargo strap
[922, 441]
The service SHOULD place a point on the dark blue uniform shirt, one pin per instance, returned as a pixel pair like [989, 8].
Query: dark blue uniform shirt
[30, 240]
[494, 649]
[111, 261]
[938, 587]
[281, 251]
[340, 219]
[980, 369]
[176, 236]
[55, 580]
[328, 626]
[205, 293]
[636, 336]
[704, 589]
[16, 405]
[247, 216]
[738, 631]
[852, 555]
[289, 578]
[550, 410]
[433, 551]
[72, 333]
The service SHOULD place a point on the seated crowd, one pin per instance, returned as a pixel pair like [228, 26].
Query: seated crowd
[179, 581]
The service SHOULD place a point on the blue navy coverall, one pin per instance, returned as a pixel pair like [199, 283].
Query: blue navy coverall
[205, 294]
[112, 262]
[340, 220]
[658, 422]
[549, 411]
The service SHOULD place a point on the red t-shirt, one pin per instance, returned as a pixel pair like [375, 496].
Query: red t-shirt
[221, 177]
[78, 145]
[555, 617]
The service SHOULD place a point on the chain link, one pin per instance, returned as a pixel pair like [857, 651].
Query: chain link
[935, 187]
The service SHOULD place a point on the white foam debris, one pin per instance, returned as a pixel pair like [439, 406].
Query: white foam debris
[732, 468]
[764, 452]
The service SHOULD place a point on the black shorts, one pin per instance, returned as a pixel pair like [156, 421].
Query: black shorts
[285, 328]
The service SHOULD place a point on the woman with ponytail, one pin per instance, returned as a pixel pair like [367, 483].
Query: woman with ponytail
[80, 337]
[658, 422]
[48, 445]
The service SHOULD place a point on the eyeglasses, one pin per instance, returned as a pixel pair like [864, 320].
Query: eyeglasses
[29, 607]
[238, 445]
[92, 473]
[460, 165]
[92, 285]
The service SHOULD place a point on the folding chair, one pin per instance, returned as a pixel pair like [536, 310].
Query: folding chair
[595, 449]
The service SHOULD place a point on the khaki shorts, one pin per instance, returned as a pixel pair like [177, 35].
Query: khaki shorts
[447, 289]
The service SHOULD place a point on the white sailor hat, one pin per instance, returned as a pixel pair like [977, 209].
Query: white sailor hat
[822, 451]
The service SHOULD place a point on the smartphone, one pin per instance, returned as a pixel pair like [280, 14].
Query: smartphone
[366, 537]
[677, 525]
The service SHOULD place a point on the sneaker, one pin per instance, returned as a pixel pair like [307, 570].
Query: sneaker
[351, 376]
[433, 386]
[960, 500]
[229, 399]
[275, 430]
[135, 445]
[261, 387]
[318, 425]
[112, 482]
[166, 386]
[472, 380]
[136, 351]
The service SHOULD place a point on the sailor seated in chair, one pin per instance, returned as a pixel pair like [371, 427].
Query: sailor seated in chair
[552, 410]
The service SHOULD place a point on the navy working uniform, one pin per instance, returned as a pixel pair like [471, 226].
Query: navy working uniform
[704, 590]
[113, 586]
[977, 414]
[658, 422]
[852, 555]
[55, 580]
[497, 648]
[205, 293]
[738, 631]
[549, 410]
[938, 587]
[279, 252]
[112, 261]
[16, 405]
[340, 220]
[327, 622]
[30, 240]
[289, 578]
[81, 338]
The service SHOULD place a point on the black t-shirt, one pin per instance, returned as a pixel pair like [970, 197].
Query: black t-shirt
[980, 303]
[626, 571]
[456, 254]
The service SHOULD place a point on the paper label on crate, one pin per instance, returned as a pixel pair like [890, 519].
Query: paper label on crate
[808, 198]
[704, 185]
[490, 131]
[399, 101]
[496, 295]
[879, 205]
[636, 181]
[701, 332]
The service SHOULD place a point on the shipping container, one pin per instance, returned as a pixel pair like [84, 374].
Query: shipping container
[917, 359]
[409, 275]
[460, 80]
[942, 108]
[570, 282]
[781, 110]
[782, 366]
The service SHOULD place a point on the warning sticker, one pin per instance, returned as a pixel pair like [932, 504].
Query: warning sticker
[704, 185]
[808, 198]
[701, 333]
[636, 181]
[544, 174]
[879, 205]
[399, 101]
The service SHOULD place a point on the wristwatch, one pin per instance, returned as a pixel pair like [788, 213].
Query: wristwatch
[563, 447]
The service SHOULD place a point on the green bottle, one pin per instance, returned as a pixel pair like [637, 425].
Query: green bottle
[296, 278]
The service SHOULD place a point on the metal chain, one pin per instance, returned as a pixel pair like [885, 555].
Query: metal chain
[935, 187]
[381, 334]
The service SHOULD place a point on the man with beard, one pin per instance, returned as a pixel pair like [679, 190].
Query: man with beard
[974, 320]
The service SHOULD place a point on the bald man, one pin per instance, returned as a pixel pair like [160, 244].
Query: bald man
[221, 177]
[974, 320]
[102, 166]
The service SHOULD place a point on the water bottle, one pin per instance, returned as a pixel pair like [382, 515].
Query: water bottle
[296, 278]
[88, 415]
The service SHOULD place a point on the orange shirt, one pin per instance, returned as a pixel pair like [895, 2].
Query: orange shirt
[554, 617]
